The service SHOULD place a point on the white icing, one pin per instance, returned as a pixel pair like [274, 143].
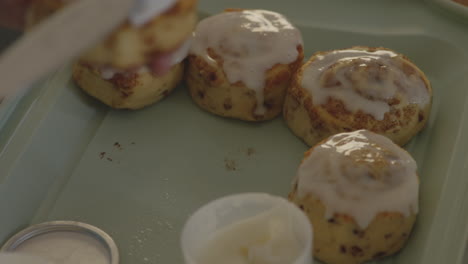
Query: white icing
[360, 174]
[377, 75]
[267, 238]
[250, 42]
[108, 73]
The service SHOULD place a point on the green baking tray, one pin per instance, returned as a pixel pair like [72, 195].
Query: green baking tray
[452, 7]
[139, 174]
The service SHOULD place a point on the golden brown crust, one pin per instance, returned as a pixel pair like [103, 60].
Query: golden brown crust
[129, 46]
[127, 91]
[212, 91]
[313, 123]
[340, 240]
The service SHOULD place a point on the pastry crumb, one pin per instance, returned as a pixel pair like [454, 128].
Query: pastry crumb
[251, 151]
[117, 145]
[230, 165]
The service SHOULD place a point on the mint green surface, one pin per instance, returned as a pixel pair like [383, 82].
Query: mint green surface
[452, 7]
[174, 157]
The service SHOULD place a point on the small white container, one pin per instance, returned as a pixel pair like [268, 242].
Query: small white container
[213, 221]
[64, 242]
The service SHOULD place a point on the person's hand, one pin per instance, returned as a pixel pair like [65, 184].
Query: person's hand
[12, 13]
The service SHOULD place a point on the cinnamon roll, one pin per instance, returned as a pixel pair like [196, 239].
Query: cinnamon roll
[360, 192]
[140, 62]
[358, 88]
[127, 89]
[241, 63]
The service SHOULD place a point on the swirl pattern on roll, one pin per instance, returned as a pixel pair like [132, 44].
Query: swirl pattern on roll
[367, 80]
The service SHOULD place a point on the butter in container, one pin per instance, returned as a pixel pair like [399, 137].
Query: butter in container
[65, 242]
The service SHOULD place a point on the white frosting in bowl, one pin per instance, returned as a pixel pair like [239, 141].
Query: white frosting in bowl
[363, 80]
[264, 239]
[360, 174]
[249, 42]
[248, 228]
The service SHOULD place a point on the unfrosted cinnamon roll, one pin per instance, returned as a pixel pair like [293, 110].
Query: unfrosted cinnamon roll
[358, 88]
[241, 63]
[360, 192]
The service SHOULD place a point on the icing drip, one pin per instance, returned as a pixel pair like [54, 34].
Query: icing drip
[250, 43]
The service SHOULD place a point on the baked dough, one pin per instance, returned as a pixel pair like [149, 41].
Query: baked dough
[130, 90]
[339, 240]
[358, 88]
[360, 192]
[240, 71]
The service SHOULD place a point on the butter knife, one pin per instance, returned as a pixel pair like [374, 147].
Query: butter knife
[57, 40]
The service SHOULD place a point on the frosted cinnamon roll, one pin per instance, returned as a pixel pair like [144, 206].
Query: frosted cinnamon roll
[360, 192]
[241, 63]
[358, 88]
